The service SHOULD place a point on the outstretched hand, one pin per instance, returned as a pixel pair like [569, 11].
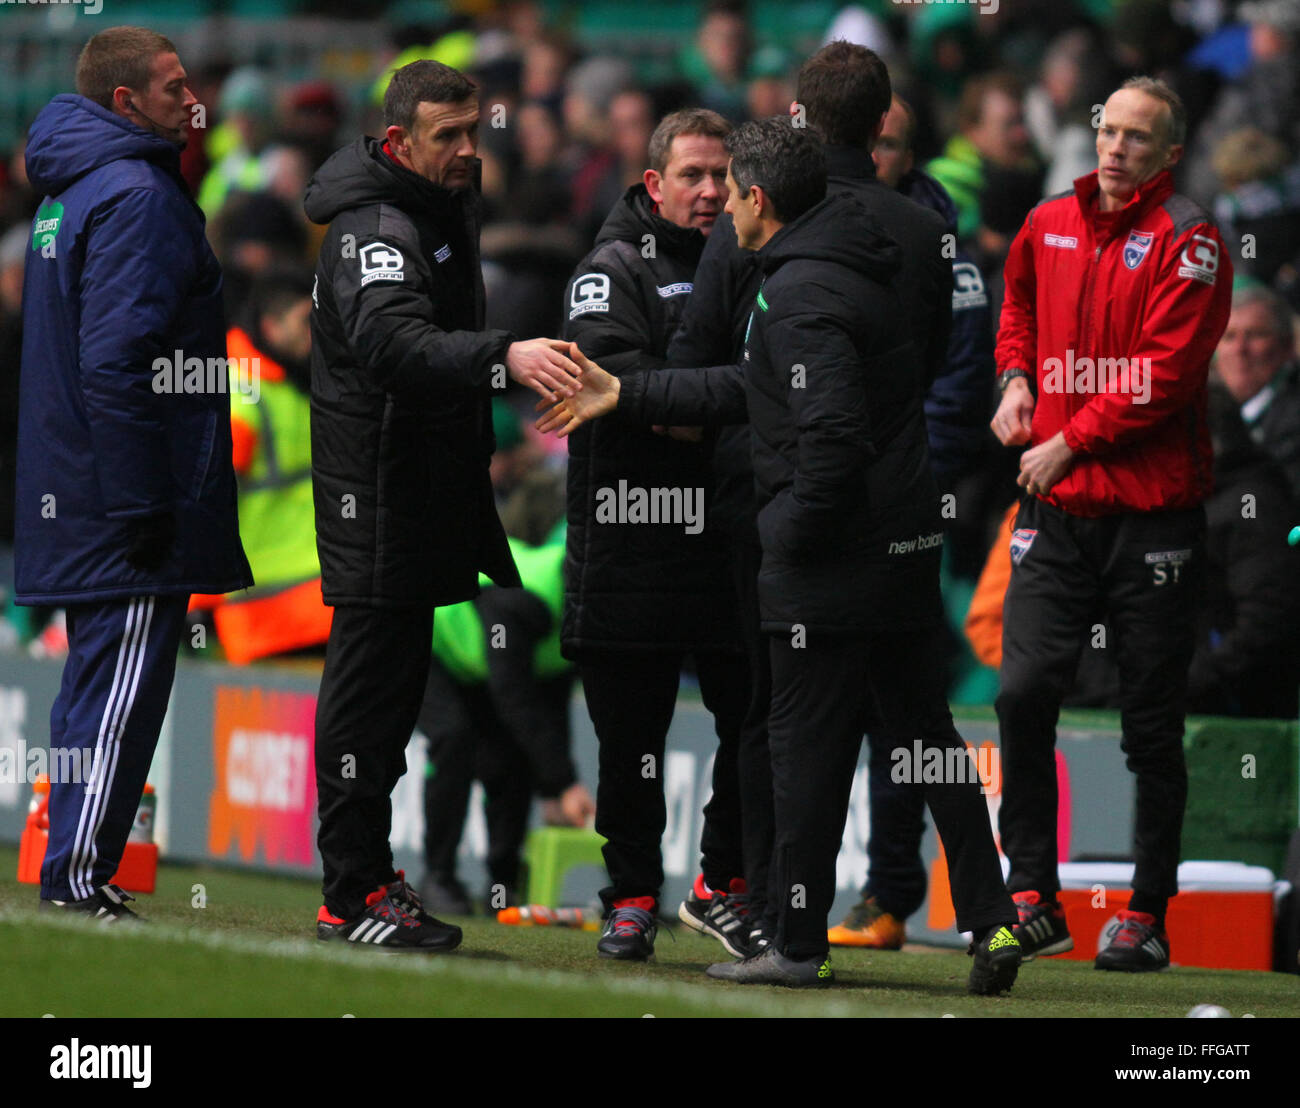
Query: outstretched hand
[543, 366]
[599, 396]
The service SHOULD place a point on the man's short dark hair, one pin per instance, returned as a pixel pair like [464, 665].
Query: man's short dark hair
[419, 82]
[118, 57]
[785, 161]
[689, 121]
[845, 90]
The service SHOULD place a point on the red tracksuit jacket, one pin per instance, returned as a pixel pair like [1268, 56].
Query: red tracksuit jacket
[1116, 316]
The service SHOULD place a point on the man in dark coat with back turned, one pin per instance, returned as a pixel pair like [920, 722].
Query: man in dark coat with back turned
[402, 375]
[843, 94]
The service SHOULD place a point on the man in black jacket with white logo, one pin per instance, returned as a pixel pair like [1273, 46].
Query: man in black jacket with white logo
[402, 375]
[851, 535]
[642, 590]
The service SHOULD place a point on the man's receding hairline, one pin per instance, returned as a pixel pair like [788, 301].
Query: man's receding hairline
[473, 99]
[673, 152]
[1167, 118]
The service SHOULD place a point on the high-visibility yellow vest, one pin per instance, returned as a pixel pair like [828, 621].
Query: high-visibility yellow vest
[460, 641]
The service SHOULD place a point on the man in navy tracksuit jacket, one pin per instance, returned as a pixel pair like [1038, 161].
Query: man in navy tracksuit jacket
[125, 498]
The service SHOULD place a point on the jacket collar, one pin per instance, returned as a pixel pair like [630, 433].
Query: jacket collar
[636, 212]
[1147, 197]
[848, 161]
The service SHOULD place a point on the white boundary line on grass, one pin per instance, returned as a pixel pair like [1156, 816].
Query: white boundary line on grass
[452, 965]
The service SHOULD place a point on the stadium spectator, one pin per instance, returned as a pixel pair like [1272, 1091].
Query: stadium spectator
[1247, 660]
[1074, 78]
[1266, 97]
[631, 123]
[638, 597]
[988, 167]
[270, 419]
[311, 119]
[718, 64]
[1122, 270]
[546, 59]
[136, 465]
[247, 109]
[401, 437]
[1256, 361]
[254, 232]
[17, 200]
[590, 88]
[1258, 209]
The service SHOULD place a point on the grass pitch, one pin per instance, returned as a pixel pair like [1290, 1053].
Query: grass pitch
[250, 950]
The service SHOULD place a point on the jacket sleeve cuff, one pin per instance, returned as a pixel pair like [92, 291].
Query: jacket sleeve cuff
[631, 398]
[1073, 441]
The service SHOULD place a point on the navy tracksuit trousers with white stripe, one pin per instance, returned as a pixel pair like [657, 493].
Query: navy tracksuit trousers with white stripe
[116, 682]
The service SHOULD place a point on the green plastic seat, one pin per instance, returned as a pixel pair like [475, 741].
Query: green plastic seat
[551, 852]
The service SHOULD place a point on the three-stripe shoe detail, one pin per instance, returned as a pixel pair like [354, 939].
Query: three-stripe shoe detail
[724, 916]
[371, 931]
[1042, 928]
[1037, 929]
[1137, 947]
[393, 919]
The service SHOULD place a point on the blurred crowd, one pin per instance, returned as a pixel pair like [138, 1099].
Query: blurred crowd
[1004, 99]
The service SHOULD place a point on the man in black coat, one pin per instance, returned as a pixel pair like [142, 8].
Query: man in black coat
[844, 94]
[402, 374]
[850, 531]
[641, 593]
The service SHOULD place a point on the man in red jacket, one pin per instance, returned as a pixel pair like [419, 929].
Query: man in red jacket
[1116, 295]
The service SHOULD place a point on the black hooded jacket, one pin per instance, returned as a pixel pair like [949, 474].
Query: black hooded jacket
[712, 330]
[402, 373]
[628, 584]
[848, 512]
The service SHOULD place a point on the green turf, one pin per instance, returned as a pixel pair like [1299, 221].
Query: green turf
[250, 951]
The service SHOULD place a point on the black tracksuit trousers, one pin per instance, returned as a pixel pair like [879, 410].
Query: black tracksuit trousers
[1144, 571]
[824, 691]
[630, 697]
[376, 666]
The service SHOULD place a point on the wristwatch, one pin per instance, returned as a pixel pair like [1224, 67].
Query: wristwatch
[1008, 375]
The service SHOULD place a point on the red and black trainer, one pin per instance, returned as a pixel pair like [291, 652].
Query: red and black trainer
[721, 915]
[630, 930]
[1138, 946]
[1042, 928]
[392, 921]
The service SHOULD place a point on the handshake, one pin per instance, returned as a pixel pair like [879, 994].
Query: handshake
[567, 407]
